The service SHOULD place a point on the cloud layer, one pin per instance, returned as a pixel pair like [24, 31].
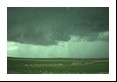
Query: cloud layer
[47, 26]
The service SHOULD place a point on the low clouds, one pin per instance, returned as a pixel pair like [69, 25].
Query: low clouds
[48, 26]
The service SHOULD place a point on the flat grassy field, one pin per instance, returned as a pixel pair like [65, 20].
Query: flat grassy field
[57, 65]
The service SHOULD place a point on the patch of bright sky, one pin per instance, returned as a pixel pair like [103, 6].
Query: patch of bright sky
[70, 49]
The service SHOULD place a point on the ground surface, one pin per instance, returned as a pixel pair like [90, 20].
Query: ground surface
[57, 66]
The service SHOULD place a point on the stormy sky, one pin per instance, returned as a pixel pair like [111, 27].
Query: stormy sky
[58, 32]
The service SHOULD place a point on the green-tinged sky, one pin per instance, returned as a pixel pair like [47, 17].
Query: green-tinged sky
[58, 32]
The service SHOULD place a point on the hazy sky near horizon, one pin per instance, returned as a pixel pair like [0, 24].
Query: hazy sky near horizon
[58, 32]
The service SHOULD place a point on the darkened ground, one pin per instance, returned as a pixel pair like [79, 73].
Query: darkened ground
[57, 66]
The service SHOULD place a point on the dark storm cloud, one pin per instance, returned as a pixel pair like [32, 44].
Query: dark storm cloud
[47, 26]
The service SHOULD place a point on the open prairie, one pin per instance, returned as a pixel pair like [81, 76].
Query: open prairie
[57, 65]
